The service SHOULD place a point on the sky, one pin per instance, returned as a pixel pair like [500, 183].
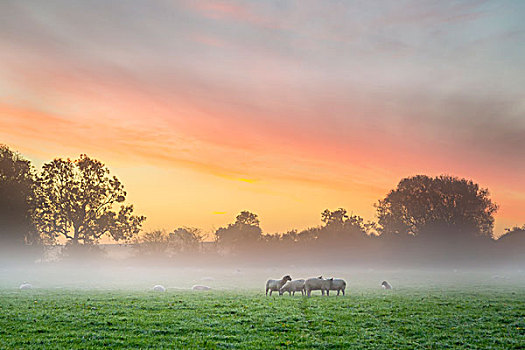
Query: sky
[284, 108]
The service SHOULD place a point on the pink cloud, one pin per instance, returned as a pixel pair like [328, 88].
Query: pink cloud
[224, 10]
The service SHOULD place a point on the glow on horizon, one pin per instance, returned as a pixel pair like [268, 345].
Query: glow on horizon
[204, 109]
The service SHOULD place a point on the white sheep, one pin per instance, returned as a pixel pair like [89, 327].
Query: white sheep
[292, 287]
[386, 285]
[275, 285]
[338, 284]
[200, 287]
[317, 283]
[159, 288]
[26, 286]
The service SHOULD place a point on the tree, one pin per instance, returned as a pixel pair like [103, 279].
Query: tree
[338, 225]
[309, 234]
[152, 243]
[334, 218]
[443, 205]
[247, 218]
[515, 230]
[185, 239]
[17, 192]
[513, 239]
[77, 200]
[244, 232]
[290, 236]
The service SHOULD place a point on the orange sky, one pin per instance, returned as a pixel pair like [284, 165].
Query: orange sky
[283, 110]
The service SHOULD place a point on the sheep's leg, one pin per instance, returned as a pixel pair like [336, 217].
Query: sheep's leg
[342, 290]
[338, 292]
[328, 292]
[271, 290]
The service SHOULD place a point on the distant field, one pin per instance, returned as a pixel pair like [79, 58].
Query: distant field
[365, 319]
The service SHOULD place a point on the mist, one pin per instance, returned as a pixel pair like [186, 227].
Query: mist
[118, 267]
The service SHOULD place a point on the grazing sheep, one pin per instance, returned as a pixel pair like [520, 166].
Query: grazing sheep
[275, 285]
[318, 283]
[386, 285]
[292, 287]
[200, 287]
[339, 285]
[26, 286]
[159, 288]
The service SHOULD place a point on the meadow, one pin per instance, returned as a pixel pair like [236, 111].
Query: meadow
[482, 316]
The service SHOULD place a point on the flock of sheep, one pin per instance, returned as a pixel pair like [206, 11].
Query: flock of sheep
[286, 284]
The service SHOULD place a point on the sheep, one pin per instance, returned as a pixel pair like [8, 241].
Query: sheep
[292, 287]
[26, 286]
[339, 285]
[159, 288]
[386, 285]
[198, 287]
[318, 283]
[275, 285]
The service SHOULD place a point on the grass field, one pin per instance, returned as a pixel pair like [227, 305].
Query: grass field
[486, 318]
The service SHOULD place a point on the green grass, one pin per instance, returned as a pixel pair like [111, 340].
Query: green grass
[490, 318]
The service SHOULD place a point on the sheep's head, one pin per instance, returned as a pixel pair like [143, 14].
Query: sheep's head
[286, 278]
[384, 283]
[320, 277]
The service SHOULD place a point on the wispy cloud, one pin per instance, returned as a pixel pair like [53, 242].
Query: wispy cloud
[233, 11]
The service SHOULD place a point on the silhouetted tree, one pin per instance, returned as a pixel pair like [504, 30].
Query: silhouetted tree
[244, 232]
[247, 218]
[443, 205]
[152, 244]
[17, 187]
[290, 236]
[185, 239]
[78, 199]
[309, 235]
[516, 230]
[334, 218]
[513, 241]
[338, 225]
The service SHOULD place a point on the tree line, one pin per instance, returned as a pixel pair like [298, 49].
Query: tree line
[79, 201]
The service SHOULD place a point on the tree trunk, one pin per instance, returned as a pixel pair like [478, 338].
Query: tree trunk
[75, 240]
